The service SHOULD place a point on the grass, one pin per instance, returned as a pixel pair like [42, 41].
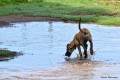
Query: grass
[98, 11]
[7, 53]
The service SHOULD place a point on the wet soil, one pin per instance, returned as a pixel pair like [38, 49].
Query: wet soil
[6, 20]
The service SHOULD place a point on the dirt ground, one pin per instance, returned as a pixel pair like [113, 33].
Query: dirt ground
[70, 70]
[6, 20]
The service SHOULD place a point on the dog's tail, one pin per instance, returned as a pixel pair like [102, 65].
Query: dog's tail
[80, 24]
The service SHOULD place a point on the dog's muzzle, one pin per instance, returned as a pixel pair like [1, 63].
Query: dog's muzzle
[68, 54]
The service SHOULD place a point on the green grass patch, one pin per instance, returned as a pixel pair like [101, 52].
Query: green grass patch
[107, 13]
[7, 53]
[105, 20]
[8, 2]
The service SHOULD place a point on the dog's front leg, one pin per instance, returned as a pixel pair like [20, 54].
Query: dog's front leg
[80, 53]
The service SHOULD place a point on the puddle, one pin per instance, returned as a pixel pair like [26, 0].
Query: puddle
[44, 44]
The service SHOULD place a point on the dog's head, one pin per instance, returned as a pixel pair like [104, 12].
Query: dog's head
[69, 49]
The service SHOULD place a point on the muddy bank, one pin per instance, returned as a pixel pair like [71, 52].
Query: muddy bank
[6, 20]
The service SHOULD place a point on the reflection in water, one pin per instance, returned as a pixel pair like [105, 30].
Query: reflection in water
[50, 35]
[24, 34]
[50, 28]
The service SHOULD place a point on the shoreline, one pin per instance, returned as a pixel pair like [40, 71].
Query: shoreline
[8, 19]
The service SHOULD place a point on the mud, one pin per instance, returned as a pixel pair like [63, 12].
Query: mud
[44, 45]
[5, 20]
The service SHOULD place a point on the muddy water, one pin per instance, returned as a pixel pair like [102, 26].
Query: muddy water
[44, 44]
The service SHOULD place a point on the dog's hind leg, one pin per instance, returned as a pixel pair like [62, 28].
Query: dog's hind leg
[85, 50]
[91, 47]
[80, 53]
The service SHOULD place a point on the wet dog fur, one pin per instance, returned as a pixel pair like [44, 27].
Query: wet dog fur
[80, 39]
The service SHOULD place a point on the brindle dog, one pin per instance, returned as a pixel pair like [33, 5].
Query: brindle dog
[80, 39]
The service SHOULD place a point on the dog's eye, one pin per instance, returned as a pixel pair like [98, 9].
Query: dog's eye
[69, 48]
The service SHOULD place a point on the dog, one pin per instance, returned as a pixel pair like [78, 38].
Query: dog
[80, 39]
